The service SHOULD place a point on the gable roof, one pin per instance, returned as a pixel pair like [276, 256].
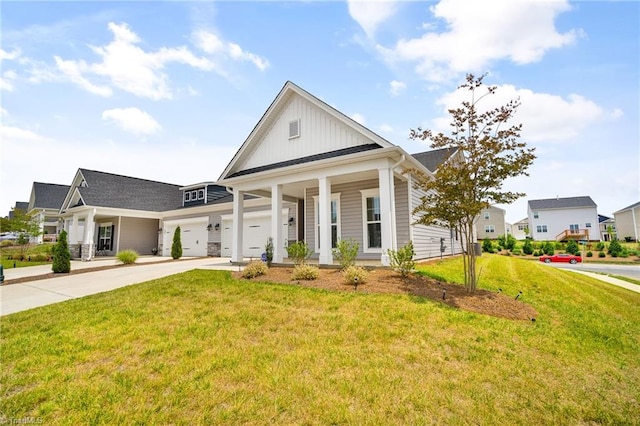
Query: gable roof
[271, 115]
[432, 159]
[632, 206]
[102, 189]
[47, 195]
[562, 203]
[21, 205]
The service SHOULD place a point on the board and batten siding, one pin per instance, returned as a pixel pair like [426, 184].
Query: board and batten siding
[138, 234]
[351, 214]
[426, 239]
[320, 132]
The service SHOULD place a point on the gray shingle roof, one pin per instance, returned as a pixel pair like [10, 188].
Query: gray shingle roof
[48, 195]
[562, 203]
[632, 206]
[22, 205]
[432, 159]
[110, 190]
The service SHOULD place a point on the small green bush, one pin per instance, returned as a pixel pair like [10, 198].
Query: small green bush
[516, 251]
[600, 246]
[572, 247]
[402, 260]
[615, 248]
[268, 250]
[127, 257]
[346, 252]
[537, 253]
[176, 246]
[61, 255]
[549, 248]
[487, 245]
[589, 253]
[305, 272]
[299, 252]
[602, 254]
[527, 247]
[355, 275]
[254, 269]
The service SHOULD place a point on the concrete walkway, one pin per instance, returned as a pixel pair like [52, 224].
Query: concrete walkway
[40, 292]
[610, 280]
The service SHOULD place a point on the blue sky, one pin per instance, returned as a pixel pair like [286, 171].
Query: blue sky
[169, 91]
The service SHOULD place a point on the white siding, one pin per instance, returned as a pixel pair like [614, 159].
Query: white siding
[558, 221]
[319, 133]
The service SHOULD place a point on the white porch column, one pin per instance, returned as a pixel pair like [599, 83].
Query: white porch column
[276, 223]
[236, 229]
[324, 201]
[88, 234]
[387, 194]
[73, 232]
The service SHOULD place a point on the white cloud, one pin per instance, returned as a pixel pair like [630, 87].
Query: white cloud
[9, 133]
[386, 128]
[369, 14]
[396, 87]
[357, 117]
[4, 55]
[132, 120]
[210, 43]
[128, 67]
[7, 76]
[544, 117]
[3, 112]
[6, 85]
[477, 35]
[617, 113]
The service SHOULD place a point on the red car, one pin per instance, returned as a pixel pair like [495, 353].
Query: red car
[570, 258]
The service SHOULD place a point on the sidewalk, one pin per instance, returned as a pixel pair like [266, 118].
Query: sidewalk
[40, 292]
[610, 280]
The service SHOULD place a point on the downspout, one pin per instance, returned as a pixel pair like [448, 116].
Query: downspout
[392, 216]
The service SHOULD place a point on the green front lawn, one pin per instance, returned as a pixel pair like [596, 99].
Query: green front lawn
[201, 347]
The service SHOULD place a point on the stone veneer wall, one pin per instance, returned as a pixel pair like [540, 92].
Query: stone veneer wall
[214, 249]
[74, 249]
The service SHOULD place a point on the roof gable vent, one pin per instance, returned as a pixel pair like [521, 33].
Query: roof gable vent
[294, 129]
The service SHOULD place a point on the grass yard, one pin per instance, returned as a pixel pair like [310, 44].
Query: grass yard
[203, 348]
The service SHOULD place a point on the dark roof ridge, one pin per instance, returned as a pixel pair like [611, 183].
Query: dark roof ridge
[130, 177]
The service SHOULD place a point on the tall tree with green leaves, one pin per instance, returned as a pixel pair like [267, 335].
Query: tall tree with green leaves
[485, 151]
[176, 246]
[27, 225]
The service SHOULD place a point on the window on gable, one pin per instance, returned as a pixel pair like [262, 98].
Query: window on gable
[194, 195]
[294, 129]
[487, 215]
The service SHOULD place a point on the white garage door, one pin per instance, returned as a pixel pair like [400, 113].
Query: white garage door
[193, 235]
[254, 235]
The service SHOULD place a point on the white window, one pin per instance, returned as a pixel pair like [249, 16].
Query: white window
[105, 236]
[335, 220]
[372, 221]
[194, 195]
[536, 215]
[489, 228]
[520, 227]
[587, 225]
[187, 196]
[487, 215]
[294, 129]
[200, 194]
[541, 228]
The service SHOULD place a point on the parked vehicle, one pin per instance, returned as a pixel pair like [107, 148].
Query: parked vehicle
[12, 236]
[567, 258]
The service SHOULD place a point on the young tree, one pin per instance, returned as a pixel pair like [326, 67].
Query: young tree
[61, 254]
[176, 246]
[486, 152]
[28, 226]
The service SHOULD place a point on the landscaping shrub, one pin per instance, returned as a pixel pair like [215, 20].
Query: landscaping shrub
[487, 245]
[402, 260]
[602, 254]
[346, 252]
[305, 272]
[61, 255]
[537, 253]
[298, 252]
[6, 243]
[516, 251]
[127, 256]
[268, 250]
[549, 248]
[527, 248]
[589, 253]
[254, 269]
[355, 275]
[572, 247]
[600, 246]
[176, 246]
[615, 248]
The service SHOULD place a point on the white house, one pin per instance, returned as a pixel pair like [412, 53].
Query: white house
[627, 222]
[562, 219]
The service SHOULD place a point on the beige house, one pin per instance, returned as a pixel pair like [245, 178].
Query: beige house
[491, 223]
[627, 222]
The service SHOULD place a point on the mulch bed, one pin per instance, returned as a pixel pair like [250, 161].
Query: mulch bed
[390, 282]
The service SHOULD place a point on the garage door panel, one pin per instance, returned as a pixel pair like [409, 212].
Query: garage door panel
[193, 237]
[255, 233]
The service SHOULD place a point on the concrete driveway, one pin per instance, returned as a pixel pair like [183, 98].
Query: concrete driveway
[27, 295]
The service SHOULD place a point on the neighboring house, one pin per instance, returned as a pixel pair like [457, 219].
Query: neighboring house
[20, 205]
[491, 223]
[604, 222]
[562, 219]
[44, 204]
[347, 182]
[518, 229]
[627, 222]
